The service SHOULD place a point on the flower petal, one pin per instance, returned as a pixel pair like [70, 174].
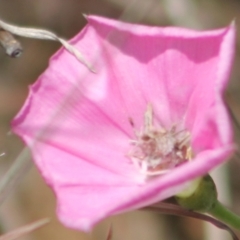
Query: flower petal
[79, 125]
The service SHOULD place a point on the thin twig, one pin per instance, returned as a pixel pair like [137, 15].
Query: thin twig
[109, 236]
[45, 35]
[12, 177]
[168, 208]
[15, 234]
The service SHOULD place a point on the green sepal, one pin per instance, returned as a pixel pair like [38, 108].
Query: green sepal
[203, 199]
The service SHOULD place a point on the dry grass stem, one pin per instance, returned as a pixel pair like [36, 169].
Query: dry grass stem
[45, 35]
[15, 234]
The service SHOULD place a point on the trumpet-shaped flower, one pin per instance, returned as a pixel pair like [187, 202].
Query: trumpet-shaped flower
[149, 120]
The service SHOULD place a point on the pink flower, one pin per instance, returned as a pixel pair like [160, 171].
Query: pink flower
[149, 120]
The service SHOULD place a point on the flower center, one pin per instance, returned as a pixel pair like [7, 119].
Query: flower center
[157, 150]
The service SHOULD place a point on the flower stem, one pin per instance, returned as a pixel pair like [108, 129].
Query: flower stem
[222, 213]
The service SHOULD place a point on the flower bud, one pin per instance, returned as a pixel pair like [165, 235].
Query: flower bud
[203, 198]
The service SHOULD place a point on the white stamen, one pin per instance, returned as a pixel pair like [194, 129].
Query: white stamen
[157, 150]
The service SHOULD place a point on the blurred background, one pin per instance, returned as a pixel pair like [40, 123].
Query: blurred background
[31, 199]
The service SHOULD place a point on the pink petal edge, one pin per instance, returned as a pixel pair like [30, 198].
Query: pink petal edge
[117, 187]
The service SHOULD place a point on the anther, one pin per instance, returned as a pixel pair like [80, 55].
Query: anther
[157, 150]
